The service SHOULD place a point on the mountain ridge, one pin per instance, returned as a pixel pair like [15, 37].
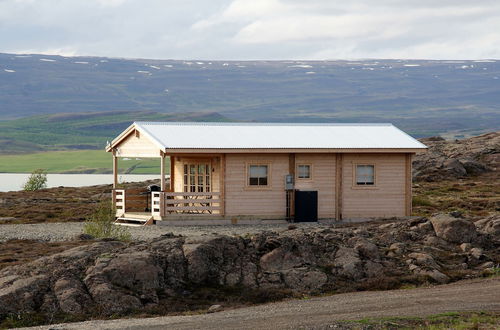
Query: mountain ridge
[423, 97]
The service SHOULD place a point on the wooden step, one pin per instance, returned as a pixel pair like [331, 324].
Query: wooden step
[134, 222]
[142, 216]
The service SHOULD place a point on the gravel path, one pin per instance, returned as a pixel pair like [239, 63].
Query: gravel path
[323, 312]
[68, 230]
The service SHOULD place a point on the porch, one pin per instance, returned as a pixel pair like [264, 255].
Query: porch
[138, 203]
[194, 189]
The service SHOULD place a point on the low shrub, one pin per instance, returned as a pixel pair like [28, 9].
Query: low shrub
[36, 181]
[101, 223]
[421, 201]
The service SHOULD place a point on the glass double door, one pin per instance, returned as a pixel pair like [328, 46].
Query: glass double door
[197, 177]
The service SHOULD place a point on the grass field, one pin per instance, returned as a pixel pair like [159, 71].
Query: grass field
[82, 161]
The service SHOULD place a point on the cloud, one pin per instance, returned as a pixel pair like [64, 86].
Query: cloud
[257, 29]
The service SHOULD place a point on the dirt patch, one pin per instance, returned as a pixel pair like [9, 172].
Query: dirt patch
[16, 252]
[62, 204]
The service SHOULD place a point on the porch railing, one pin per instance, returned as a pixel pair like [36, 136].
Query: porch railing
[119, 199]
[165, 203]
[192, 202]
[156, 203]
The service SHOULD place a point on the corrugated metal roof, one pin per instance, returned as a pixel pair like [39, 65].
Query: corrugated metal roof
[182, 135]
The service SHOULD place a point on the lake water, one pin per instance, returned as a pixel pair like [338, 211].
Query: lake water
[15, 181]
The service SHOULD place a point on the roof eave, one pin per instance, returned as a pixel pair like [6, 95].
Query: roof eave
[294, 150]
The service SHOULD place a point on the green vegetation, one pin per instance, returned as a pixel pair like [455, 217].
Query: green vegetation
[80, 161]
[452, 320]
[101, 224]
[80, 131]
[471, 196]
[36, 181]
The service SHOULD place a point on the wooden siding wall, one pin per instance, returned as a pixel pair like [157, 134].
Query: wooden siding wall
[137, 146]
[242, 200]
[386, 198]
[322, 180]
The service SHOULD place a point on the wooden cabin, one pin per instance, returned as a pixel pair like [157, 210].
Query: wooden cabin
[235, 172]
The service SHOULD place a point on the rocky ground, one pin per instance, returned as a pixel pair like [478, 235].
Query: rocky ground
[172, 274]
[445, 160]
[47, 274]
[420, 308]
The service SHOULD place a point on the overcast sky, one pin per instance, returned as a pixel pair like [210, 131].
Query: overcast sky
[253, 29]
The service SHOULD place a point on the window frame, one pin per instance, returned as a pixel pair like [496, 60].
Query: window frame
[310, 172]
[247, 176]
[355, 176]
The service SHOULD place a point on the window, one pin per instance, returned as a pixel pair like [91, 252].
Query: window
[257, 175]
[365, 175]
[196, 178]
[304, 171]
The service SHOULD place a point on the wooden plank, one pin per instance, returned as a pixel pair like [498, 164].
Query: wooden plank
[115, 170]
[174, 194]
[162, 171]
[136, 198]
[338, 187]
[191, 201]
[192, 208]
[172, 173]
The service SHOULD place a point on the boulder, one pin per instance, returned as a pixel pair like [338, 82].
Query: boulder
[373, 269]
[367, 249]
[127, 281]
[435, 275]
[396, 249]
[279, 259]
[214, 309]
[305, 280]
[489, 225]
[71, 295]
[453, 230]
[476, 253]
[423, 260]
[465, 247]
[204, 258]
[348, 263]
[474, 168]
[22, 295]
[454, 167]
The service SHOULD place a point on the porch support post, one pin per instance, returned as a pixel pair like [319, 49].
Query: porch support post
[115, 170]
[172, 173]
[162, 167]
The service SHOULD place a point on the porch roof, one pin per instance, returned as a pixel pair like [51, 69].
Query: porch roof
[189, 135]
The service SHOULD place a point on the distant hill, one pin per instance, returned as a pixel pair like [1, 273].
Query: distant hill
[70, 131]
[425, 98]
